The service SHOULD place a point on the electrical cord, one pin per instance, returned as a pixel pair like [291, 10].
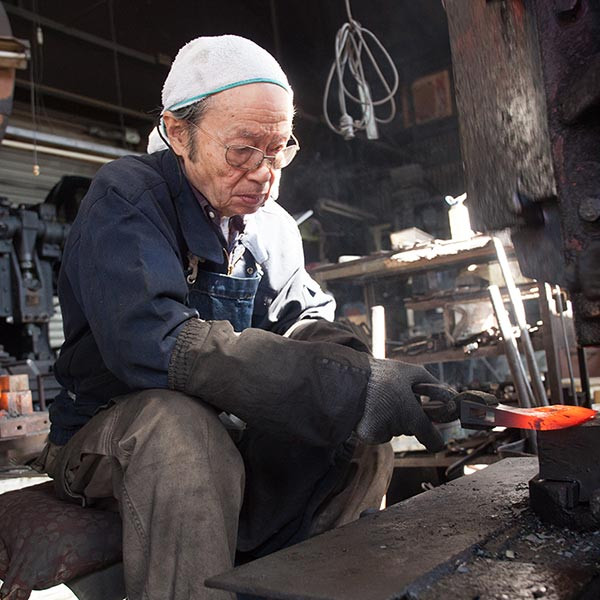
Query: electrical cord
[350, 43]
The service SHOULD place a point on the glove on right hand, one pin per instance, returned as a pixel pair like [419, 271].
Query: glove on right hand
[391, 407]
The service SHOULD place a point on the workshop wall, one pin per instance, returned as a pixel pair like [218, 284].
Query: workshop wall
[113, 92]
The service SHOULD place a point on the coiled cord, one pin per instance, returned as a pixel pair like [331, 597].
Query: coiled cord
[350, 43]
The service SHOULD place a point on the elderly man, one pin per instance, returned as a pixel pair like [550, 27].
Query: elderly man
[205, 388]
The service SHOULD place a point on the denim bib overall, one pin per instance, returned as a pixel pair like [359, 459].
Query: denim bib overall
[221, 297]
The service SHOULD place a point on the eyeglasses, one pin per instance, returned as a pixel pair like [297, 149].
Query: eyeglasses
[250, 158]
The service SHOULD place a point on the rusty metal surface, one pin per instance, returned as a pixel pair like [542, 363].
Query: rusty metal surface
[527, 76]
[472, 538]
[569, 37]
[384, 555]
[524, 562]
[25, 425]
[501, 104]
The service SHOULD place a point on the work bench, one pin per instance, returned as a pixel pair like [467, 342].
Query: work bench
[370, 273]
[473, 538]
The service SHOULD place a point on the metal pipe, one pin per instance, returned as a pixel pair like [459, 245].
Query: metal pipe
[41, 392]
[346, 210]
[66, 142]
[56, 152]
[378, 331]
[514, 360]
[516, 300]
[549, 315]
[82, 35]
[510, 346]
[584, 375]
[85, 100]
[491, 369]
[561, 309]
[19, 56]
[307, 214]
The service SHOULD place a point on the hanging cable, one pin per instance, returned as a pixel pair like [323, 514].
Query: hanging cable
[33, 98]
[117, 71]
[350, 43]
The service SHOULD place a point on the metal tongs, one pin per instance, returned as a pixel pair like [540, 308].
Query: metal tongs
[481, 410]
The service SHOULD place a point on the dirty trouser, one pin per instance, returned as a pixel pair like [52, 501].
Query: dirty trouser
[179, 481]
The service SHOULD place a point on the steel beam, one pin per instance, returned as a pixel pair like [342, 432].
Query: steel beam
[82, 35]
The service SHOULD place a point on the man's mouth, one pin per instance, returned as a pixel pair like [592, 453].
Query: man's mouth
[252, 199]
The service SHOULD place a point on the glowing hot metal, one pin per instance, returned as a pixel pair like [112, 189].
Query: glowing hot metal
[556, 416]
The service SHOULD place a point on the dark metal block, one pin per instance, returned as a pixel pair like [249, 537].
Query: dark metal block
[572, 455]
[547, 493]
[567, 490]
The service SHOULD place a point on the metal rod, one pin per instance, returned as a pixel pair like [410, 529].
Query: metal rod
[56, 151]
[516, 300]
[510, 347]
[85, 100]
[41, 392]
[561, 310]
[491, 369]
[67, 142]
[378, 331]
[82, 35]
[584, 375]
[514, 359]
[551, 343]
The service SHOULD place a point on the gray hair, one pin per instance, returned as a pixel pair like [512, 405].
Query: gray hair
[192, 115]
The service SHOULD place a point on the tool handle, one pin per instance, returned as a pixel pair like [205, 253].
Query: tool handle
[438, 401]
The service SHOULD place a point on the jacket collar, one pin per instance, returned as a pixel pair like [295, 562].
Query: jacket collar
[201, 238]
[252, 241]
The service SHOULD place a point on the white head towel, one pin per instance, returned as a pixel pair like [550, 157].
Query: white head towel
[208, 65]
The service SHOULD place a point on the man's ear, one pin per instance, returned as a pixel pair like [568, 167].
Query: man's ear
[177, 133]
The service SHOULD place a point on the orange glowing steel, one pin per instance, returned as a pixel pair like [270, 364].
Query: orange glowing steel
[557, 416]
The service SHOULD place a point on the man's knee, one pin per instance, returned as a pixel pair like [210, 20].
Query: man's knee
[174, 426]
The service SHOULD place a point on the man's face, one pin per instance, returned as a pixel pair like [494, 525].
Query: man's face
[258, 115]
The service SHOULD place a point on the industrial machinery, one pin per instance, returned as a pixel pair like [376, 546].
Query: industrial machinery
[31, 241]
[528, 96]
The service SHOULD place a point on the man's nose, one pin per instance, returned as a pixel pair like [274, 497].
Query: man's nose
[262, 173]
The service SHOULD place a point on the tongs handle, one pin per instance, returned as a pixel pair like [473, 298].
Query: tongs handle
[444, 404]
[439, 404]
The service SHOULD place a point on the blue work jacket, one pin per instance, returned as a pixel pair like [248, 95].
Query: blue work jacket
[123, 288]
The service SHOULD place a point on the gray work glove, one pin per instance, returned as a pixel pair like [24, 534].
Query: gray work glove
[391, 407]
